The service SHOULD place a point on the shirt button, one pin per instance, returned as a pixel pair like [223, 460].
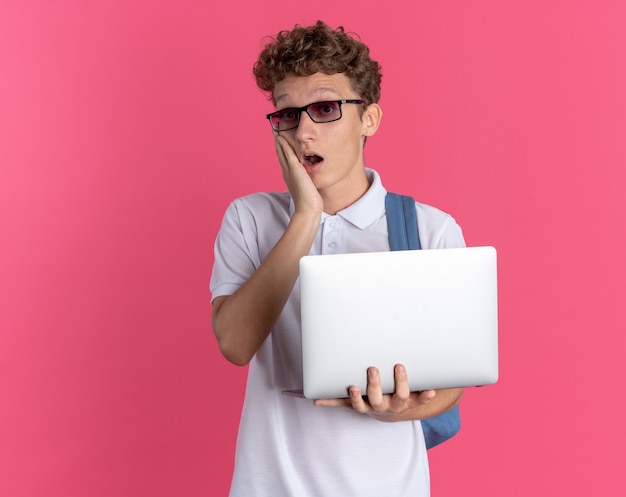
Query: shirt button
[332, 244]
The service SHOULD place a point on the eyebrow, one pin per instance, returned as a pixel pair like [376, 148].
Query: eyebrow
[317, 91]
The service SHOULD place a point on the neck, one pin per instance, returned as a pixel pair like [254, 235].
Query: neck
[338, 197]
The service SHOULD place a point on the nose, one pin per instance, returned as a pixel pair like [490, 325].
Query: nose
[306, 129]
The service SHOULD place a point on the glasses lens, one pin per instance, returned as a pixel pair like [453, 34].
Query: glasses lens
[323, 112]
[285, 119]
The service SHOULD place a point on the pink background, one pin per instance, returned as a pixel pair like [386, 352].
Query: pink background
[126, 127]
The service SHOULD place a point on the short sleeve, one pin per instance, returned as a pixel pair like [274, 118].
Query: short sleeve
[437, 229]
[250, 228]
[234, 259]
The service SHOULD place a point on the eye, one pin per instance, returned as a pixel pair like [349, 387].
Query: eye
[324, 111]
[288, 115]
[326, 108]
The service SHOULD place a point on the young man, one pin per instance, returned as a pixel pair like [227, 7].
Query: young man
[325, 88]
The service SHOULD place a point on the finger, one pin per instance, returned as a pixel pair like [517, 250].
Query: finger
[357, 401]
[280, 151]
[333, 403]
[426, 396]
[402, 391]
[285, 152]
[374, 390]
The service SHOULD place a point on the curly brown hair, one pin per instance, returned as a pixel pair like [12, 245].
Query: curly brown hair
[304, 51]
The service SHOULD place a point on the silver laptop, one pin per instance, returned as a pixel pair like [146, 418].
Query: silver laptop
[435, 311]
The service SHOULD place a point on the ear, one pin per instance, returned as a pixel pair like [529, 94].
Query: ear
[371, 119]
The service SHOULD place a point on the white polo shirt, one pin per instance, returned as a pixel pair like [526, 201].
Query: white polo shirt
[286, 446]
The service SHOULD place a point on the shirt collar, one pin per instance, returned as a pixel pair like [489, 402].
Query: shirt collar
[370, 207]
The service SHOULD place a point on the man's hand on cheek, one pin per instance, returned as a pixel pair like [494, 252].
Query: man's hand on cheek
[305, 195]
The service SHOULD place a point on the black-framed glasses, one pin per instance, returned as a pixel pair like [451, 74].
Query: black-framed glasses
[319, 112]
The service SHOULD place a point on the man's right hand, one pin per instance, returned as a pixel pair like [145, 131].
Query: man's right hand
[305, 196]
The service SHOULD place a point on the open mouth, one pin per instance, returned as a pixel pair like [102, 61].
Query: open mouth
[312, 159]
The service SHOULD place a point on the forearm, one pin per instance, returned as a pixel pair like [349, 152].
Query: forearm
[242, 321]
